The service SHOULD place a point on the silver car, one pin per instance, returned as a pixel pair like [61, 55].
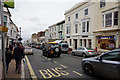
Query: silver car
[28, 51]
[106, 65]
[83, 51]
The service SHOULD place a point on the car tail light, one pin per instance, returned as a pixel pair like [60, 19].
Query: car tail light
[31, 49]
[89, 51]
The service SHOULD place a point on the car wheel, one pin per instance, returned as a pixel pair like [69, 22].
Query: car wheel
[84, 55]
[73, 53]
[57, 50]
[88, 70]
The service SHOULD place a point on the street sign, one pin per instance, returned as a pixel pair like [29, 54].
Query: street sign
[3, 29]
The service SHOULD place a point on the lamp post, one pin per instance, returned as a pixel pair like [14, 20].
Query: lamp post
[20, 32]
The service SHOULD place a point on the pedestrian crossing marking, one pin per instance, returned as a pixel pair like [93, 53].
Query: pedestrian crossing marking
[77, 73]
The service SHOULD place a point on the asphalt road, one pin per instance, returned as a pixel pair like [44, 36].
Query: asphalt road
[65, 67]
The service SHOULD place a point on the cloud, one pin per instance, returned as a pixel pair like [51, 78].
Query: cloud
[36, 15]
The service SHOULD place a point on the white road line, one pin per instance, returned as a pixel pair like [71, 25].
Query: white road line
[49, 59]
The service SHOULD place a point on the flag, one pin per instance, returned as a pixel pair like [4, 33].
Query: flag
[8, 3]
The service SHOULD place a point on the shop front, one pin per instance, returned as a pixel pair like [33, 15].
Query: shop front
[106, 42]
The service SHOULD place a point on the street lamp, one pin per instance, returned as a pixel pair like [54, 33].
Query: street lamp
[20, 32]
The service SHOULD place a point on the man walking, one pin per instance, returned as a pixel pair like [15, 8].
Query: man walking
[18, 54]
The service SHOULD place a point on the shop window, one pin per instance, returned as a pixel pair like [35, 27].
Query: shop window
[116, 18]
[80, 42]
[84, 42]
[70, 42]
[89, 43]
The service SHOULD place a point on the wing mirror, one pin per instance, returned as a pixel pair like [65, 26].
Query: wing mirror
[99, 58]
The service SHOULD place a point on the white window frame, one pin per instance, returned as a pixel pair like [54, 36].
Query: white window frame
[76, 30]
[85, 26]
[76, 17]
[104, 20]
[85, 12]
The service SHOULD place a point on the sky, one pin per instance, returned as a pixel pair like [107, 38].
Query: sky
[36, 15]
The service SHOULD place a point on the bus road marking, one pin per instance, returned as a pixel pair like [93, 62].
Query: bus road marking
[63, 66]
[77, 73]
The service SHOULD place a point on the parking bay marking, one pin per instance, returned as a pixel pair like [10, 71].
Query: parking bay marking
[77, 73]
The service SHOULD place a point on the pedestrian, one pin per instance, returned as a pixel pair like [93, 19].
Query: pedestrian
[18, 54]
[11, 47]
[9, 57]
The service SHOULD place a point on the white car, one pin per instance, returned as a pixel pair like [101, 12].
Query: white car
[28, 50]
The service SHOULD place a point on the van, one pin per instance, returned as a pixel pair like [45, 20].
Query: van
[64, 47]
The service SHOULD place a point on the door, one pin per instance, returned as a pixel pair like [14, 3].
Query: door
[109, 66]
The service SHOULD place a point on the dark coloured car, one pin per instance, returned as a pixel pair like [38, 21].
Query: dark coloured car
[51, 49]
[107, 65]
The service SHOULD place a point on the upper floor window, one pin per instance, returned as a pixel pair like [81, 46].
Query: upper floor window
[68, 29]
[76, 16]
[85, 26]
[102, 3]
[110, 19]
[76, 28]
[5, 21]
[86, 12]
[68, 18]
[62, 27]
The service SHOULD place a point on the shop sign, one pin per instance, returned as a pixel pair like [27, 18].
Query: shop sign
[3, 29]
[107, 37]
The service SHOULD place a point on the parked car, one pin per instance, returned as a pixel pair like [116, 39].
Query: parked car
[83, 51]
[106, 65]
[28, 51]
[64, 47]
[51, 49]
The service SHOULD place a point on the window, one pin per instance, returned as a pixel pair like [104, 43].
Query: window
[70, 42]
[5, 21]
[76, 28]
[102, 3]
[68, 18]
[108, 19]
[85, 26]
[62, 27]
[116, 18]
[67, 30]
[80, 42]
[114, 56]
[76, 16]
[84, 42]
[86, 12]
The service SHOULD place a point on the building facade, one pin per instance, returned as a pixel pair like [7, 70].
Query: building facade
[93, 24]
[80, 22]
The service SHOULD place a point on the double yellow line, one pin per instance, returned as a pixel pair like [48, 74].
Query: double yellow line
[32, 74]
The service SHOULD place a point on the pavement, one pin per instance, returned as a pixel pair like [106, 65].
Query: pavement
[12, 74]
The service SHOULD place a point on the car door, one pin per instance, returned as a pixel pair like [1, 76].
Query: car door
[109, 65]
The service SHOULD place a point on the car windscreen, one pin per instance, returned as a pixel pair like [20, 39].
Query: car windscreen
[89, 49]
[65, 46]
